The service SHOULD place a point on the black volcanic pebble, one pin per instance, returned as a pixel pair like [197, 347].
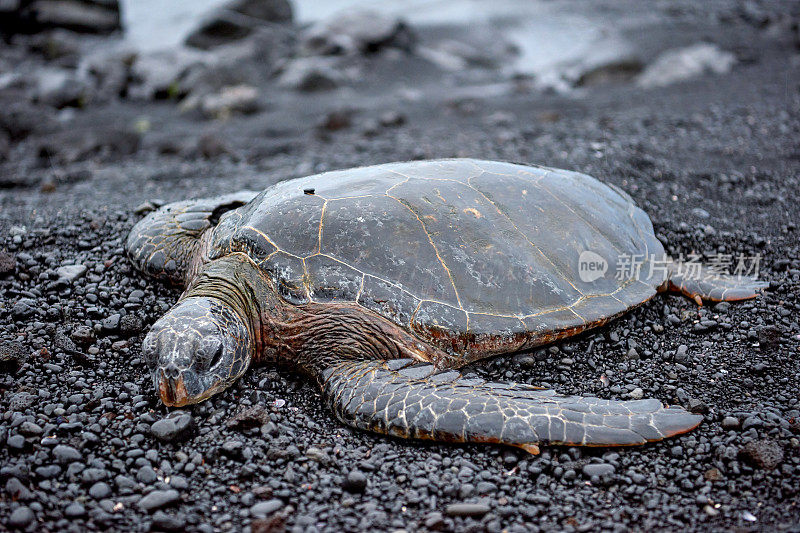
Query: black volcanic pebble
[355, 481]
[8, 263]
[21, 517]
[83, 335]
[158, 499]
[766, 454]
[12, 355]
[176, 426]
[467, 509]
[130, 325]
[166, 522]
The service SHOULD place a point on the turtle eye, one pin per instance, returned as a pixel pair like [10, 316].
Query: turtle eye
[217, 357]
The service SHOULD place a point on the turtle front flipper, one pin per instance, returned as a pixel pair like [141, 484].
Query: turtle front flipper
[406, 399]
[701, 282]
[164, 244]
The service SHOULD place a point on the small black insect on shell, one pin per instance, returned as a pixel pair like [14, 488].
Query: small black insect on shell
[308, 191]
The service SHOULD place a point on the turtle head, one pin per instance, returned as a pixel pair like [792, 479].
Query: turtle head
[200, 347]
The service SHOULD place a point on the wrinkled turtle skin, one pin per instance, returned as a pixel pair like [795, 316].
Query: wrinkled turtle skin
[381, 281]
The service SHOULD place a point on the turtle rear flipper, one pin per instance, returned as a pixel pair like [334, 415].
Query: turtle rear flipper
[406, 399]
[164, 243]
[700, 283]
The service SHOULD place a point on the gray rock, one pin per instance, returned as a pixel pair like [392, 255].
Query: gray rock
[221, 27]
[124, 482]
[485, 487]
[769, 336]
[66, 454]
[110, 324]
[685, 63]
[8, 263]
[158, 499]
[236, 20]
[263, 509]
[91, 475]
[178, 482]
[164, 522]
[100, 490]
[356, 481]
[21, 119]
[74, 510]
[70, 273]
[598, 469]
[160, 74]
[766, 454]
[730, 422]
[85, 16]
[12, 356]
[47, 472]
[210, 146]
[614, 70]
[61, 88]
[251, 417]
[21, 401]
[17, 490]
[487, 48]
[15, 442]
[178, 425]
[751, 422]
[467, 509]
[434, 520]
[108, 70]
[233, 448]
[23, 308]
[318, 455]
[356, 31]
[697, 406]
[238, 99]
[57, 44]
[83, 335]
[146, 475]
[269, 10]
[21, 517]
[311, 74]
[130, 325]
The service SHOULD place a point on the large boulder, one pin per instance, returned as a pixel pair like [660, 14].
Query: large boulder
[109, 71]
[485, 47]
[237, 99]
[269, 10]
[237, 20]
[61, 88]
[20, 118]
[182, 71]
[222, 27]
[685, 63]
[85, 16]
[160, 74]
[356, 31]
[309, 74]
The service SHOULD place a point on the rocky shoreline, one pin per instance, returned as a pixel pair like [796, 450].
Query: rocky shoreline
[699, 125]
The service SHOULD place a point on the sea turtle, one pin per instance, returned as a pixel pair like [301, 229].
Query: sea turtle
[381, 281]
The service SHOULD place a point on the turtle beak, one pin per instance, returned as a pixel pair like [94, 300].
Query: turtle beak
[172, 390]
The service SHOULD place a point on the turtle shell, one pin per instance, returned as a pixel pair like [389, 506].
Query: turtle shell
[475, 257]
